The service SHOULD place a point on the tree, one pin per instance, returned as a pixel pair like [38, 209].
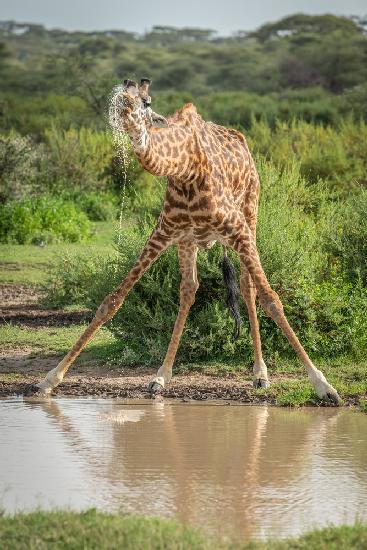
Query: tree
[301, 23]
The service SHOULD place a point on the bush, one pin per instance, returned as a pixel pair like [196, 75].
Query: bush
[79, 160]
[97, 206]
[20, 160]
[72, 279]
[44, 219]
[326, 314]
[355, 100]
[347, 242]
[339, 310]
[336, 155]
[29, 113]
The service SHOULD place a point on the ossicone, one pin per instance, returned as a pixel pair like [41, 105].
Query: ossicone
[130, 83]
[144, 84]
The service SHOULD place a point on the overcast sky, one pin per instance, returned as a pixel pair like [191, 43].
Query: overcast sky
[225, 16]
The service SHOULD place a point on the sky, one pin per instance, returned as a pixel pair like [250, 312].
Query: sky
[139, 16]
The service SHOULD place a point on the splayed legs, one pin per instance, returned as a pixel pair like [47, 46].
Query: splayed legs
[155, 246]
[243, 242]
[189, 285]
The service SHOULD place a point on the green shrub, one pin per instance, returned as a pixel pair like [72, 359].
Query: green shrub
[79, 164]
[72, 279]
[31, 114]
[43, 219]
[20, 160]
[237, 108]
[347, 242]
[338, 156]
[354, 101]
[145, 196]
[326, 314]
[79, 160]
[340, 318]
[97, 206]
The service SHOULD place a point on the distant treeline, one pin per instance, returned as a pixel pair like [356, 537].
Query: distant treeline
[309, 67]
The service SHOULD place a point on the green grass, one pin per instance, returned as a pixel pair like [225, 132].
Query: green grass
[26, 264]
[347, 376]
[96, 530]
[58, 340]
[289, 383]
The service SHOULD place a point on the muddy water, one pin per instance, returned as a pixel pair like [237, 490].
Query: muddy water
[249, 471]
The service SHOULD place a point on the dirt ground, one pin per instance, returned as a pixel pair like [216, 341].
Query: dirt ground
[21, 368]
[19, 304]
[188, 388]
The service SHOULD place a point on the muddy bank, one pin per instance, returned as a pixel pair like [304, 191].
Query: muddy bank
[19, 304]
[190, 387]
[21, 367]
[24, 367]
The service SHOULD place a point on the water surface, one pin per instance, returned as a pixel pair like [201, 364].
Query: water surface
[248, 471]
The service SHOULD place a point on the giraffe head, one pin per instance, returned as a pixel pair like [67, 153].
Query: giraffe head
[130, 105]
[144, 92]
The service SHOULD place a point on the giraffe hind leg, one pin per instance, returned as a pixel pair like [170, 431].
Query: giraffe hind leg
[260, 373]
[245, 246]
[273, 307]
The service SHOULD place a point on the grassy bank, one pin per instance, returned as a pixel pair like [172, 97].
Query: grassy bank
[49, 341]
[93, 529]
[27, 264]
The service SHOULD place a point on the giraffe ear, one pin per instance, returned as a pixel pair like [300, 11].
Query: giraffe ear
[130, 83]
[144, 84]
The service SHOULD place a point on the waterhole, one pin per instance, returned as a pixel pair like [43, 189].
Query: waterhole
[237, 470]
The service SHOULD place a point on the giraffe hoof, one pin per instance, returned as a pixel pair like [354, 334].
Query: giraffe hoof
[333, 398]
[261, 383]
[323, 389]
[155, 388]
[31, 390]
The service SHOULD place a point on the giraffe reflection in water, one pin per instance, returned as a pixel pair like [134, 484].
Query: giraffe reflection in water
[252, 471]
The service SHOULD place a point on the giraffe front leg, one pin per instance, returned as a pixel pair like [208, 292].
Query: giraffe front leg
[155, 246]
[189, 285]
[244, 244]
[248, 290]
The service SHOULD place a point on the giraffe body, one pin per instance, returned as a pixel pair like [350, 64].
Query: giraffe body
[212, 195]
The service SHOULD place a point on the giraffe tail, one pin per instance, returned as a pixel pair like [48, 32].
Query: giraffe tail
[230, 280]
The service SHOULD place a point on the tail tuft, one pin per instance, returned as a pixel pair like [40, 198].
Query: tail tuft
[230, 280]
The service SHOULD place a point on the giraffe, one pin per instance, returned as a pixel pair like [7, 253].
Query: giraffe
[212, 195]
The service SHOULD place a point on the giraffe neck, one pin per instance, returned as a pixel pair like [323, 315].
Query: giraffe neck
[168, 152]
[138, 133]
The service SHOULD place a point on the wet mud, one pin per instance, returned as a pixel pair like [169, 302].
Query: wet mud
[187, 387]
